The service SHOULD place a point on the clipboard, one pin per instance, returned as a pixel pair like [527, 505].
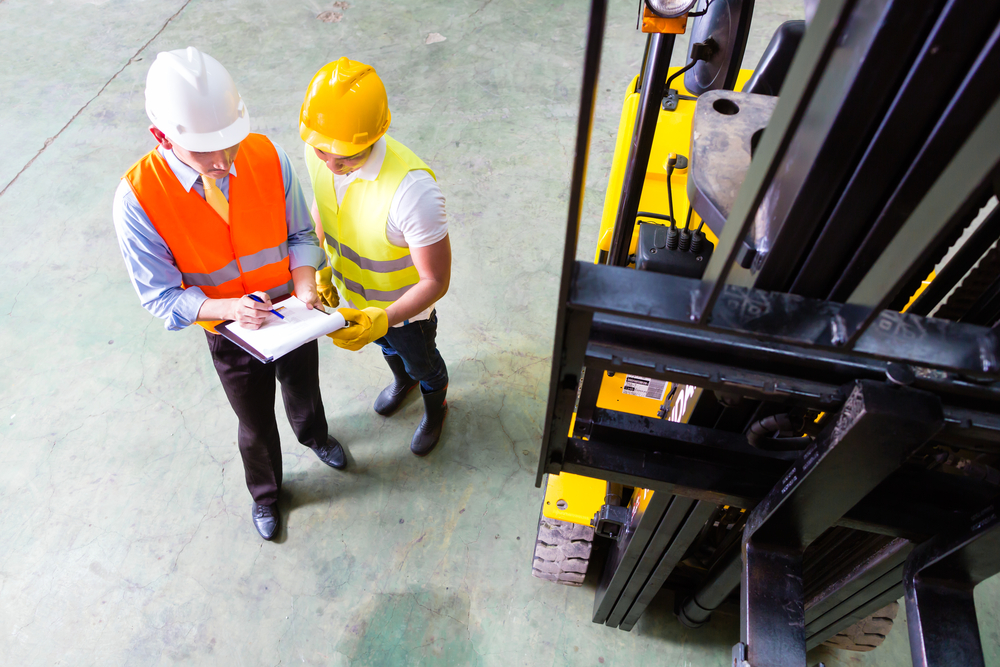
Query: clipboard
[277, 337]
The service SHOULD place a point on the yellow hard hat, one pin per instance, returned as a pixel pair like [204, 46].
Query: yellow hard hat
[345, 110]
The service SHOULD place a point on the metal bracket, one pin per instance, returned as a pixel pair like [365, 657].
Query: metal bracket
[728, 126]
[670, 100]
[610, 520]
[874, 432]
[939, 579]
[740, 655]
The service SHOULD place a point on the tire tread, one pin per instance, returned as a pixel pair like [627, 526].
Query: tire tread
[562, 551]
[868, 633]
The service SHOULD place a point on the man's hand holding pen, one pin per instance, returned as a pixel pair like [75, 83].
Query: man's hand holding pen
[252, 310]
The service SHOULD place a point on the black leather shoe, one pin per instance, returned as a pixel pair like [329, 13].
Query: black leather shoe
[392, 396]
[429, 431]
[265, 520]
[331, 453]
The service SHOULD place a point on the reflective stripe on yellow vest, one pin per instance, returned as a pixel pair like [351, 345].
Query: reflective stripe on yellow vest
[368, 270]
[247, 255]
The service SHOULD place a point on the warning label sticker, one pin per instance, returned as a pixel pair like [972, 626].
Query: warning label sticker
[636, 385]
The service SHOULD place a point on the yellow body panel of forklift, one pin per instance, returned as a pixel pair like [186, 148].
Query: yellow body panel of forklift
[673, 135]
[575, 498]
[632, 394]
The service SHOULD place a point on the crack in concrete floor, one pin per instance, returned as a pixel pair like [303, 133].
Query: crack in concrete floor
[50, 140]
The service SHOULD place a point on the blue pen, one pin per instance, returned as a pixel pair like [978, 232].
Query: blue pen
[259, 300]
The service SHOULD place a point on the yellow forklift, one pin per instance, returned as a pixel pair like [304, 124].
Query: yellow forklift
[754, 327]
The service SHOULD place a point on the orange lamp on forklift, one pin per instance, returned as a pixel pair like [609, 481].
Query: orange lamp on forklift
[665, 16]
[345, 110]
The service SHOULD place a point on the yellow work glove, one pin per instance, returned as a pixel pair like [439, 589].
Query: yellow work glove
[363, 326]
[324, 287]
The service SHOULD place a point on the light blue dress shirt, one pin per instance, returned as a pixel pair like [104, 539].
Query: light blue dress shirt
[151, 265]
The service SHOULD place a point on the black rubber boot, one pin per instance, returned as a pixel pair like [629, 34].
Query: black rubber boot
[429, 431]
[392, 396]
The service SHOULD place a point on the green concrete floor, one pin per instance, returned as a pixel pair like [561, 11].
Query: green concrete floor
[127, 537]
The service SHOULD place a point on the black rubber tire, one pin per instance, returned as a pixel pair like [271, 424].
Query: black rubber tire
[562, 551]
[867, 634]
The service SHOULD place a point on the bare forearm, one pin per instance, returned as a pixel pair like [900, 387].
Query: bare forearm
[304, 279]
[433, 264]
[417, 299]
[218, 309]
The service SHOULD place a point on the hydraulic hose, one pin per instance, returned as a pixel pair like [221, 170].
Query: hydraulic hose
[722, 580]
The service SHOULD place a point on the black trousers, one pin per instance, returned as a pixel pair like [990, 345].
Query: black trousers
[249, 384]
[414, 343]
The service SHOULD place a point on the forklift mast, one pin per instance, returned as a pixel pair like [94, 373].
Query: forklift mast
[814, 316]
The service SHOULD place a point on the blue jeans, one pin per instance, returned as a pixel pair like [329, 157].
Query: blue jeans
[414, 343]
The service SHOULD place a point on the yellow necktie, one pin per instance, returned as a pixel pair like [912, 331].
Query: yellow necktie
[215, 198]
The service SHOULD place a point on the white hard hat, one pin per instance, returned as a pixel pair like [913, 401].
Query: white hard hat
[192, 99]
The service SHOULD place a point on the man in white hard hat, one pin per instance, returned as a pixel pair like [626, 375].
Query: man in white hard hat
[382, 215]
[210, 216]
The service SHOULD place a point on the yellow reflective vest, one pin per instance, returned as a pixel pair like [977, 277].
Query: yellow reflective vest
[367, 269]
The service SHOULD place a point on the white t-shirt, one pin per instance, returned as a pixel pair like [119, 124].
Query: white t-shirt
[416, 215]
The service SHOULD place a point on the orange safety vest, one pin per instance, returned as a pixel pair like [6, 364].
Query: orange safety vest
[247, 255]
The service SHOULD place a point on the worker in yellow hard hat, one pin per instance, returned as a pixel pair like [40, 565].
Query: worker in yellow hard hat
[381, 214]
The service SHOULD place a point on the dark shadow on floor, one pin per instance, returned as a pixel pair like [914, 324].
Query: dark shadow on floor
[722, 631]
[658, 620]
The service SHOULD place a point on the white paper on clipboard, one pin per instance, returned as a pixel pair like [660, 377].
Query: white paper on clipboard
[277, 337]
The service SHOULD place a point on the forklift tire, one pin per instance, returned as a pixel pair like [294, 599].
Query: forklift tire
[868, 633]
[562, 551]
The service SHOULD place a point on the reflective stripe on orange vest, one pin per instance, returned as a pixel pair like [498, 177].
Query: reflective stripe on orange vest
[247, 255]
